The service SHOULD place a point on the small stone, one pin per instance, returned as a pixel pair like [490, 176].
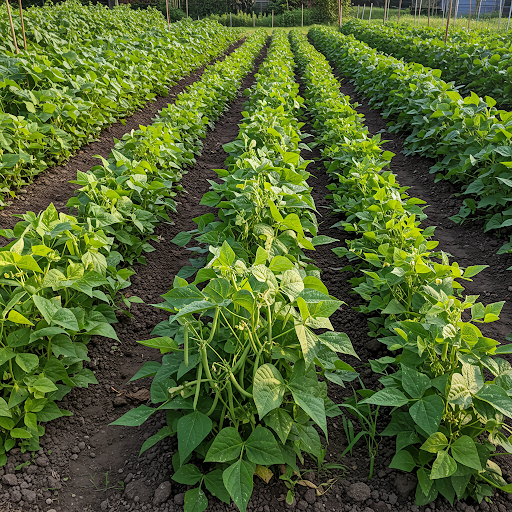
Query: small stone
[75, 449]
[104, 505]
[10, 479]
[510, 288]
[29, 496]
[393, 498]
[119, 401]
[303, 505]
[310, 496]
[162, 493]
[81, 445]
[130, 490]
[49, 501]
[92, 455]
[15, 496]
[52, 510]
[74, 456]
[129, 478]
[359, 491]
[179, 499]
[42, 461]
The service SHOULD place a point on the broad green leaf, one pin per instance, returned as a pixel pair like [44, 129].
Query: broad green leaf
[18, 318]
[435, 443]
[225, 447]
[237, 479]
[159, 436]
[338, 342]
[403, 460]
[262, 448]
[389, 397]
[135, 417]
[27, 362]
[268, 389]
[444, 466]
[187, 475]
[427, 413]
[195, 500]
[308, 342]
[497, 397]
[20, 433]
[414, 382]
[192, 429]
[214, 483]
[464, 451]
[280, 422]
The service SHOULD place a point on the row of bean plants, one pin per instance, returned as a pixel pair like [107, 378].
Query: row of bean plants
[447, 415]
[469, 137]
[54, 99]
[477, 63]
[238, 380]
[62, 276]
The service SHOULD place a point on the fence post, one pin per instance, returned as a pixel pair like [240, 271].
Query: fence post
[12, 27]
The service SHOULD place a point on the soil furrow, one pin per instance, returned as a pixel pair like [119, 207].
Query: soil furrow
[86, 465]
[53, 186]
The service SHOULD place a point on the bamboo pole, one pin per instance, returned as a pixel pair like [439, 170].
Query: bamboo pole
[371, 8]
[230, 20]
[168, 17]
[12, 27]
[385, 7]
[428, 14]
[455, 13]
[253, 20]
[509, 13]
[419, 12]
[357, 16]
[448, 22]
[302, 16]
[469, 14]
[186, 4]
[340, 13]
[499, 20]
[362, 15]
[23, 26]
[399, 9]
[272, 18]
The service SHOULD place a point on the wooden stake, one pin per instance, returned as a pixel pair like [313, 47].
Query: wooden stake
[385, 6]
[12, 27]
[23, 26]
[455, 13]
[509, 13]
[362, 15]
[419, 12]
[302, 19]
[340, 14]
[469, 15]
[371, 8]
[253, 20]
[399, 9]
[187, 7]
[428, 14]
[448, 23]
[272, 18]
[230, 20]
[357, 12]
[499, 20]
[168, 17]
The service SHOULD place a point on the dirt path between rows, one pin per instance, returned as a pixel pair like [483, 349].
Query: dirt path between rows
[53, 186]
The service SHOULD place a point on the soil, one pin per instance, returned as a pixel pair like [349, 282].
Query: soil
[54, 185]
[87, 466]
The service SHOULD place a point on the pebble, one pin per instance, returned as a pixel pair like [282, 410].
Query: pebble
[10, 479]
[359, 491]
[92, 455]
[15, 496]
[29, 496]
[104, 505]
[179, 499]
[162, 493]
[303, 505]
[310, 496]
[81, 445]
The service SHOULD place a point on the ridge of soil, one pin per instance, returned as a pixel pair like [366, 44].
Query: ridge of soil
[54, 184]
[85, 465]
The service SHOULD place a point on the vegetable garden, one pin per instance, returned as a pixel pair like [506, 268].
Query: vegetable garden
[241, 304]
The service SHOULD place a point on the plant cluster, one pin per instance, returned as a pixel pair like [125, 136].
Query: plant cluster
[84, 68]
[449, 394]
[476, 62]
[238, 379]
[469, 137]
[61, 275]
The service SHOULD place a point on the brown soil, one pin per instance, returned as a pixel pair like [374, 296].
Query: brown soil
[53, 186]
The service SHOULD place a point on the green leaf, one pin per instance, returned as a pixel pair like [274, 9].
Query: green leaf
[195, 500]
[27, 362]
[262, 448]
[268, 389]
[151, 441]
[187, 475]
[414, 383]
[393, 308]
[338, 342]
[427, 413]
[20, 433]
[280, 264]
[182, 239]
[192, 429]
[435, 443]
[403, 460]
[444, 466]
[389, 397]
[18, 318]
[226, 446]
[474, 270]
[214, 483]
[280, 422]
[464, 451]
[306, 392]
[238, 481]
[135, 417]
[44, 385]
[497, 397]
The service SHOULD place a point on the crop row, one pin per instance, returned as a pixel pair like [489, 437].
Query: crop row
[442, 404]
[52, 101]
[238, 379]
[62, 275]
[469, 137]
[477, 64]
